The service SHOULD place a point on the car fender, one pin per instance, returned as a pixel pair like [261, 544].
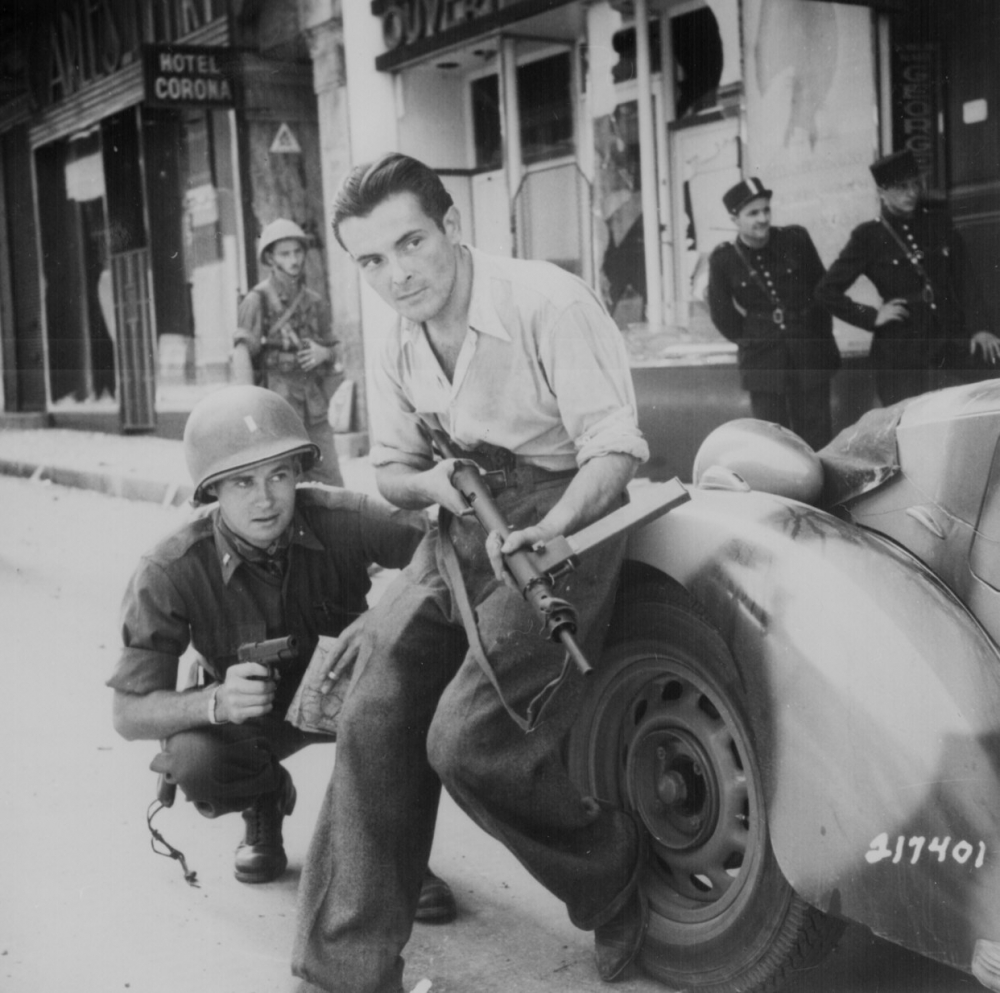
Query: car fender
[874, 698]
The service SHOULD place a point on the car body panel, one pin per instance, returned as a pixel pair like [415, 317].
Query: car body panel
[874, 696]
[944, 502]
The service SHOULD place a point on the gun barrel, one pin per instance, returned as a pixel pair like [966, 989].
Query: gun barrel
[271, 651]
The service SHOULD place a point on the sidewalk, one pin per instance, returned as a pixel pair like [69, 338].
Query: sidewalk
[136, 467]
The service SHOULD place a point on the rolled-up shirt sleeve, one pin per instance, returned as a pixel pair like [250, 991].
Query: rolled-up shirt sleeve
[155, 633]
[586, 359]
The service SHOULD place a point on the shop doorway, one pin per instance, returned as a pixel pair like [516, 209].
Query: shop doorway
[76, 265]
[514, 207]
[20, 303]
[704, 163]
[95, 261]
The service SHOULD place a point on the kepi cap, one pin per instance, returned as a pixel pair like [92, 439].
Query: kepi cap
[736, 198]
[895, 168]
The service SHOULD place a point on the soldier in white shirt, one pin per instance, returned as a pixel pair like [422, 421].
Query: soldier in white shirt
[518, 364]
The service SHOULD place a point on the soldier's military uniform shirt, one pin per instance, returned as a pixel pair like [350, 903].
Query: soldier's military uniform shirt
[792, 349]
[935, 320]
[310, 392]
[196, 589]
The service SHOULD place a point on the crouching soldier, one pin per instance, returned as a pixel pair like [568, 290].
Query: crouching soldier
[270, 560]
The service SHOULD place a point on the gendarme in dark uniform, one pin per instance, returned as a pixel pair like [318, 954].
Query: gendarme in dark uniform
[914, 258]
[760, 296]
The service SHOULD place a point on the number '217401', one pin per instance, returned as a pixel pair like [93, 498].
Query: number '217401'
[916, 846]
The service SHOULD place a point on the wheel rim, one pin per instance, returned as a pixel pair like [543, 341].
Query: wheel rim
[683, 765]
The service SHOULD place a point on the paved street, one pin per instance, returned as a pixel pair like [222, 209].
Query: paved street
[87, 907]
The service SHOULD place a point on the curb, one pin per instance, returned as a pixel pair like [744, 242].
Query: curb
[110, 484]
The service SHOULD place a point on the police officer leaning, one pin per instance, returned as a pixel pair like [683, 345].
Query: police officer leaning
[915, 260]
[760, 295]
[284, 333]
[269, 560]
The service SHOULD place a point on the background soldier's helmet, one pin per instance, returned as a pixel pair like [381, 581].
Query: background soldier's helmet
[239, 427]
[275, 231]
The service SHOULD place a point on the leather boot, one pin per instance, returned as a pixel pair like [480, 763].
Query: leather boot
[260, 856]
[618, 941]
[437, 903]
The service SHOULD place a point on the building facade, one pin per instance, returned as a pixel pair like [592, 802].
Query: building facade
[143, 147]
[601, 135]
[150, 142]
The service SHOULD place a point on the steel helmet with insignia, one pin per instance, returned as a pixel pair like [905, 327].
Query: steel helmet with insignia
[239, 427]
[277, 231]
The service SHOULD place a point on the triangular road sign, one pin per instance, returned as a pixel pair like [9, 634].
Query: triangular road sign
[285, 141]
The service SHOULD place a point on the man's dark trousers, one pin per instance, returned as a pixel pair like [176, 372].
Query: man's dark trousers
[806, 412]
[421, 712]
[224, 769]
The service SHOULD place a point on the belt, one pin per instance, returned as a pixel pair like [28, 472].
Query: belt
[787, 314]
[503, 470]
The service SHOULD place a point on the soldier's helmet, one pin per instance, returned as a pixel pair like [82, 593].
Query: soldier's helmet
[239, 427]
[276, 231]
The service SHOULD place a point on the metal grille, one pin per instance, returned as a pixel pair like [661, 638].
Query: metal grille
[136, 343]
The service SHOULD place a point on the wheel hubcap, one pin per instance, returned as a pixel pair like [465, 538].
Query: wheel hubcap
[682, 772]
[672, 786]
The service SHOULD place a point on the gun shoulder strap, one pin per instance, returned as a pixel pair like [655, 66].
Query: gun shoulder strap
[453, 571]
[287, 314]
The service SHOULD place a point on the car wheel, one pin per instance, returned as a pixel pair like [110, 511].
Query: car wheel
[663, 734]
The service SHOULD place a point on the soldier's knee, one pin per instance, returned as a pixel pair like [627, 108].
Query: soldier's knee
[453, 755]
[218, 776]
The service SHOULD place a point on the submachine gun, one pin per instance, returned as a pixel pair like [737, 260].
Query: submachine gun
[536, 572]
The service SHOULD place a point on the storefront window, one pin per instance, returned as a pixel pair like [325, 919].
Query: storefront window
[697, 48]
[545, 106]
[486, 122]
[623, 42]
[545, 103]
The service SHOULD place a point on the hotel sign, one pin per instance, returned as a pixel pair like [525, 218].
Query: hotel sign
[189, 76]
[79, 43]
[413, 29]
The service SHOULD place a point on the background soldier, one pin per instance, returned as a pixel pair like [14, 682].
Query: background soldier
[760, 295]
[284, 328]
[914, 258]
[269, 561]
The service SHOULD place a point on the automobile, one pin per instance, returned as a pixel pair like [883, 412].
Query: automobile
[800, 697]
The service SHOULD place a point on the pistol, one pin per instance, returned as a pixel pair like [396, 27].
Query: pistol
[270, 652]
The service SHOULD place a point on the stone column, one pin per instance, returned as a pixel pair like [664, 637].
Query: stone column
[325, 39]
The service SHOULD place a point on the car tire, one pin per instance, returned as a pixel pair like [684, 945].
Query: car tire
[663, 733]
